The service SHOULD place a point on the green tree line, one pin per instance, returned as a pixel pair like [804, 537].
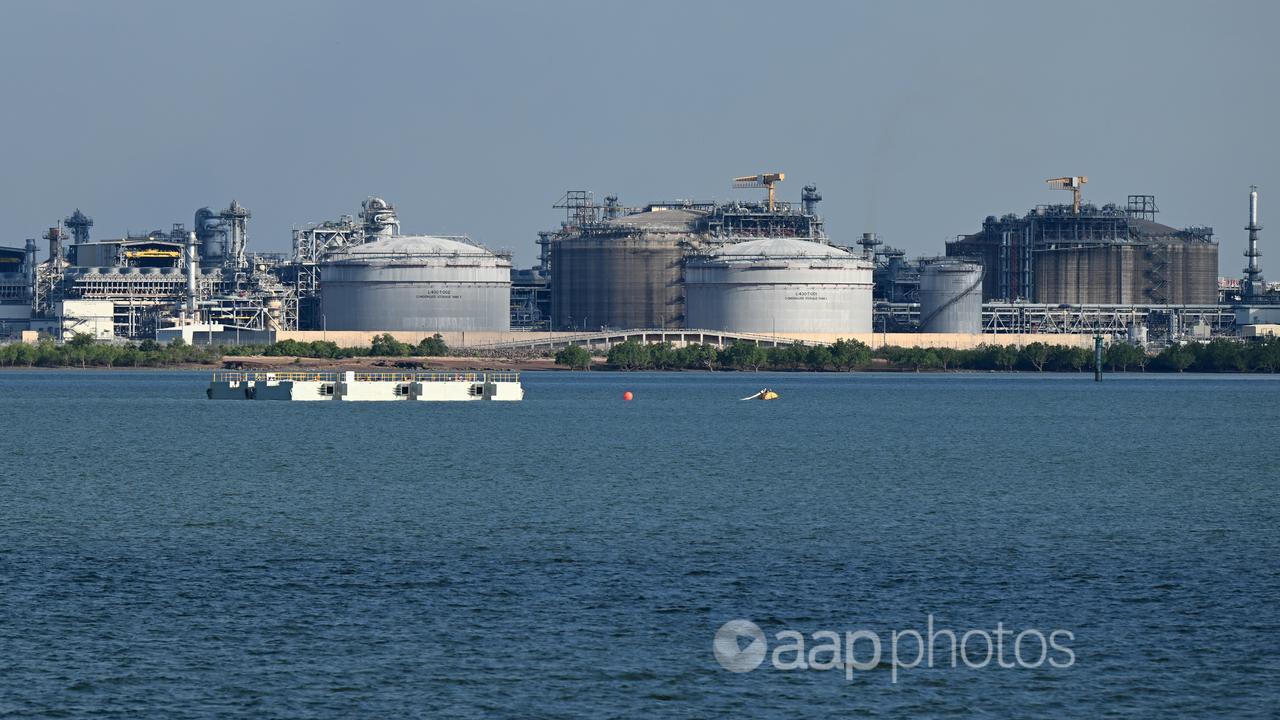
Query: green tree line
[843, 355]
[83, 351]
[1220, 355]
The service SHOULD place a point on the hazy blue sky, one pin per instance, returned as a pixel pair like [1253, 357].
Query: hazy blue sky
[915, 119]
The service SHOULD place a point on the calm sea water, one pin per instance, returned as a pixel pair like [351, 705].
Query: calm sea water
[574, 555]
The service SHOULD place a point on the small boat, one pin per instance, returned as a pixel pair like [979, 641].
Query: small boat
[765, 394]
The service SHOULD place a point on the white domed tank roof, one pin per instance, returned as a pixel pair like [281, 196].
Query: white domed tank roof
[781, 248]
[415, 245]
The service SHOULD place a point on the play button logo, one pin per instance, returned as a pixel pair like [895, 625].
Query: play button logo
[740, 646]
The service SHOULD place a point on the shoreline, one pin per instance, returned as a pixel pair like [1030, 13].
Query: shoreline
[547, 365]
[287, 364]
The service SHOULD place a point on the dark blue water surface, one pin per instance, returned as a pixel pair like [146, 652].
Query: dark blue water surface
[573, 555]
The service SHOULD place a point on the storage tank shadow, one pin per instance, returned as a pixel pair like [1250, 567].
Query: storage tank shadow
[416, 283]
[951, 297]
[779, 285]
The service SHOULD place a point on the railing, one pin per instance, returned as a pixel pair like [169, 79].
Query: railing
[259, 376]
[328, 376]
[502, 377]
[385, 377]
[437, 376]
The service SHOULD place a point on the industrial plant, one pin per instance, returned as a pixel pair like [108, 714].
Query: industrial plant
[758, 268]
[1077, 268]
[1082, 254]
[135, 286]
[205, 286]
[664, 264]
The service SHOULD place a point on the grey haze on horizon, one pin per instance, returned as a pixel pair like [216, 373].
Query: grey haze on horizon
[915, 119]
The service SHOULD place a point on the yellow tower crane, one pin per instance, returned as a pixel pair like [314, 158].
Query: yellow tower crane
[1073, 184]
[765, 180]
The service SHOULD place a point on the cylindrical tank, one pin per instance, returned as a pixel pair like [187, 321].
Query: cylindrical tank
[951, 297]
[415, 283]
[1157, 273]
[779, 285]
[1138, 334]
[211, 237]
[624, 272]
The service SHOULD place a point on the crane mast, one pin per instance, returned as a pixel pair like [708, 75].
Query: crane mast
[1074, 184]
[763, 180]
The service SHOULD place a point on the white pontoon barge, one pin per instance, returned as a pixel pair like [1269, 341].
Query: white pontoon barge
[432, 386]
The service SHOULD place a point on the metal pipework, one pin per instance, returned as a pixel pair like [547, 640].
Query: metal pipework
[236, 220]
[222, 235]
[380, 220]
[869, 242]
[79, 224]
[809, 198]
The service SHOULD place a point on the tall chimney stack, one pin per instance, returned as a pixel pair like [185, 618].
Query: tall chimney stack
[192, 264]
[1254, 285]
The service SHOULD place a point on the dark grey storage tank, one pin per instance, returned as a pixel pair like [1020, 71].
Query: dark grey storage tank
[416, 283]
[624, 272]
[1160, 273]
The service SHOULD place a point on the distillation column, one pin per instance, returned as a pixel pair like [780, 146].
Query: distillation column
[31, 271]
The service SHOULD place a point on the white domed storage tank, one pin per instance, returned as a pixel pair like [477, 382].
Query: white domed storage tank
[779, 285]
[416, 283]
[951, 297]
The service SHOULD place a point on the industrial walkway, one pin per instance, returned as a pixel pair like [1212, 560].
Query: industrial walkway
[607, 339]
[604, 340]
